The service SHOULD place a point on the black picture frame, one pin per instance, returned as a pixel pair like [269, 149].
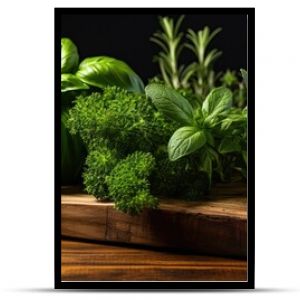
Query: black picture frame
[174, 285]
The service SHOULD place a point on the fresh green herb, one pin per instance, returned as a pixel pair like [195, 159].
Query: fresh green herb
[172, 104]
[69, 56]
[70, 82]
[199, 43]
[169, 40]
[239, 93]
[99, 164]
[198, 77]
[216, 105]
[126, 137]
[129, 185]
[185, 141]
[93, 73]
[102, 71]
[214, 129]
[174, 140]
[116, 123]
[126, 121]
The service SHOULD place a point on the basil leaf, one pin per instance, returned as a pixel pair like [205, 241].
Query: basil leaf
[217, 103]
[184, 141]
[69, 82]
[170, 103]
[229, 144]
[235, 118]
[245, 77]
[69, 56]
[102, 71]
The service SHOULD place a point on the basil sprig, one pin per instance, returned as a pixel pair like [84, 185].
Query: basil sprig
[214, 129]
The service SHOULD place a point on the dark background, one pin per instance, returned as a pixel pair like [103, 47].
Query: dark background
[126, 37]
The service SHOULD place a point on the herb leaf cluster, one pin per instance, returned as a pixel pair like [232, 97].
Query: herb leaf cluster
[127, 160]
[93, 73]
[131, 157]
[215, 127]
[172, 139]
[197, 77]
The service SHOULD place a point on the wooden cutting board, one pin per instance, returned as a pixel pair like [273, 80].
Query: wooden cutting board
[214, 226]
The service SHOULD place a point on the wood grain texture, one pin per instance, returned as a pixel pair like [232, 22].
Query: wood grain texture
[83, 261]
[214, 226]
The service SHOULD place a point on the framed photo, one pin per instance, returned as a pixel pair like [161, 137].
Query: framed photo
[154, 148]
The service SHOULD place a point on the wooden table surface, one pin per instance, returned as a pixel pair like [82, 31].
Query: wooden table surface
[87, 261]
